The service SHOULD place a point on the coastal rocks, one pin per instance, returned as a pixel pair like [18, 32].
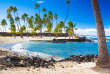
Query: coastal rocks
[16, 61]
[80, 58]
[19, 61]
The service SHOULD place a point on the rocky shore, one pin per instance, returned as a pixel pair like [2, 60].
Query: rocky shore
[11, 63]
[20, 61]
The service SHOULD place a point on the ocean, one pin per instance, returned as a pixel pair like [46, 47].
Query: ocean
[63, 50]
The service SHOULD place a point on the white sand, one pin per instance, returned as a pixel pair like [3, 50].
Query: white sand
[69, 67]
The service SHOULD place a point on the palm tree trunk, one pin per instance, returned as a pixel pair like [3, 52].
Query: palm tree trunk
[103, 56]
[73, 33]
[0, 30]
[67, 14]
[26, 29]
[20, 28]
[39, 12]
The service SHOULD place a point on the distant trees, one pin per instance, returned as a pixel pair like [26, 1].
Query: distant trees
[35, 24]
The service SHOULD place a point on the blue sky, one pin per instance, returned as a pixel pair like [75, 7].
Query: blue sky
[80, 10]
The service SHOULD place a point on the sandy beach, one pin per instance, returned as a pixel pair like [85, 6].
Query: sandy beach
[60, 67]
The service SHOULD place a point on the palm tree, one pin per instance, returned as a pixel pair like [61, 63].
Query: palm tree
[35, 29]
[71, 27]
[62, 25]
[4, 23]
[56, 31]
[13, 27]
[24, 18]
[103, 56]
[50, 16]
[56, 18]
[14, 10]
[11, 9]
[17, 19]
[59, 28]
[8, 15]
[22, 29]
[44, 10]
[37, 7]
[49, 28]
[30, 22]
[67, 2]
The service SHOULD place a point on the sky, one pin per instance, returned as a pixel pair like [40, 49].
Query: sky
[80, 12]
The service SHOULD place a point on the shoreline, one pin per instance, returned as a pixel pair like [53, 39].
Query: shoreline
[62, 67]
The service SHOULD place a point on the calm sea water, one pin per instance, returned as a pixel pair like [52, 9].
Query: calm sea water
[60, 49]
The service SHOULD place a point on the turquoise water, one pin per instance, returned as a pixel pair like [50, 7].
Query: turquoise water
[65, 49]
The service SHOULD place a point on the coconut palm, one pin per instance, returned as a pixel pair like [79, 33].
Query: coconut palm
[14, 10]
[11, 9]
[30, 22]
[56, 18]
[32, 17]
[17, 19]
[67, 2]
[50, 16]
[4, 23]
[56, 30]
[36, 25]
[59, 28]
[45, 15]
[22, 29]
[44, 10]
[35, 29]
[26, 16]
[37, 7]
[103, 56]
[8, 16]
[36, 15]
[23, 18]
[49, 28]
[13, 27]
[61, 24]
[71, 27]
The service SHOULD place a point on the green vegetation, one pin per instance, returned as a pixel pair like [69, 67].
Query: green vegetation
[35, 24]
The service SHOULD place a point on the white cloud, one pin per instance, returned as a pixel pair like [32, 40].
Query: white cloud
[40, 2]
[90, 31]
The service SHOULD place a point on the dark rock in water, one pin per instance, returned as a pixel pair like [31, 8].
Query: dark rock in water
[79, 39]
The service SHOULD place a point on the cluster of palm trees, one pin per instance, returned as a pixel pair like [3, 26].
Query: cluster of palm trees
[35, 24]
